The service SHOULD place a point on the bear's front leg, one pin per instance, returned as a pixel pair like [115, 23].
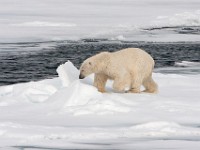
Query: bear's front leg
[100, 82]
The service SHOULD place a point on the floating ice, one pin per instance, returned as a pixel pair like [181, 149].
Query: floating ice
[187, 64]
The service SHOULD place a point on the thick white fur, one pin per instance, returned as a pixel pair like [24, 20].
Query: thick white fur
[129, 68]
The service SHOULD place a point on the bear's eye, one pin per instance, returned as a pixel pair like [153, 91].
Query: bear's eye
[90, 63]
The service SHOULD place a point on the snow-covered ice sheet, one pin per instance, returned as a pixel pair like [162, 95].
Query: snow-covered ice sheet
[47, 20]
[68, 113]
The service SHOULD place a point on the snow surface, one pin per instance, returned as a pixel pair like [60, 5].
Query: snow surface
[68, 113]
[47, 20]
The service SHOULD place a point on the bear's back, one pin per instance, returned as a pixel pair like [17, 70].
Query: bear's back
[132, 55]
[132, 59]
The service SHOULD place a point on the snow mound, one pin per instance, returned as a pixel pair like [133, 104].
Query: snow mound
[35, 92]
[67, 94]
[81, 97]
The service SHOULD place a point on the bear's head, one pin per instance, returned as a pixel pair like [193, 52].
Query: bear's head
[94, 64]
[87, 68]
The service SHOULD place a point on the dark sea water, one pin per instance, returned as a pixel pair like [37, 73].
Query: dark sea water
[23, 62]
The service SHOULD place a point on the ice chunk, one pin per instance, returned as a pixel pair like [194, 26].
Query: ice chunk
[67, 73]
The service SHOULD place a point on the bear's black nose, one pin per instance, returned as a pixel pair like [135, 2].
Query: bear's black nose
[81, 76]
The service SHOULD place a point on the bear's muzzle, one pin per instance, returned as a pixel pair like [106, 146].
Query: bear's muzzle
[81, 76]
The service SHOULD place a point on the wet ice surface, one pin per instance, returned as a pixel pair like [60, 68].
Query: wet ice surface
[67, 113]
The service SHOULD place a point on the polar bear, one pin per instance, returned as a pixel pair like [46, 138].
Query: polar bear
[129, 68]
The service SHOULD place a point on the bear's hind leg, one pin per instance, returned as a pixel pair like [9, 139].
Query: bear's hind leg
[150, 85]
[100, 82]
[136, 84]
[122, 84]
[135, 88]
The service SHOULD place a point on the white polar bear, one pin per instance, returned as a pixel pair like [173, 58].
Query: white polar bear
[129, 68]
